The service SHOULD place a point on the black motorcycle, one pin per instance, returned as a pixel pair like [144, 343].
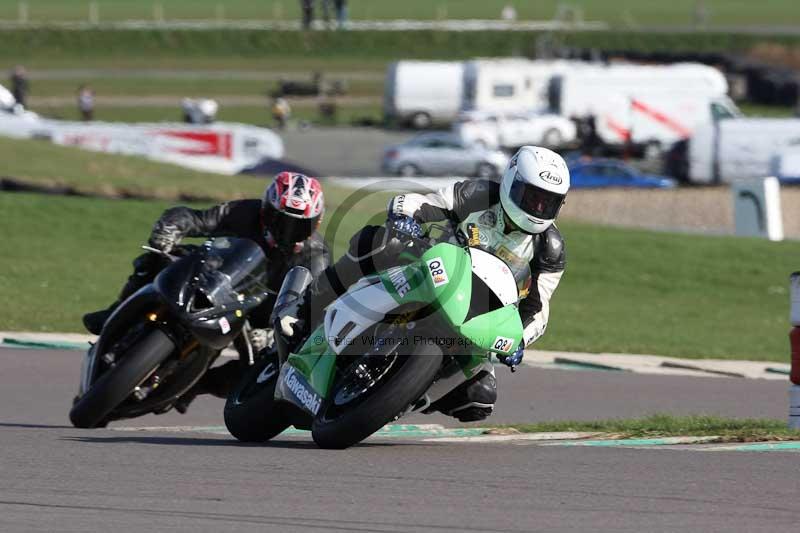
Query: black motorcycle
[159, 342]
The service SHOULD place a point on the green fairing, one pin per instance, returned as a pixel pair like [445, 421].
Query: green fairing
[415, 283]
[316, 361]
[485, 330]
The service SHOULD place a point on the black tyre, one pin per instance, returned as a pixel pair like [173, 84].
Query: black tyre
[486, 171]
[421, 120]
[552, 138]
[337, 427]
[251, 414]
[114, 386]
[408, 170]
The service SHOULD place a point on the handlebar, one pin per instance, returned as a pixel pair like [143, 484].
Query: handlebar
[162, 253]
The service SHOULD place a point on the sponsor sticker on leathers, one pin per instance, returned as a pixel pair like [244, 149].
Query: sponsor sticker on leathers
[503, 344]
[437, 271]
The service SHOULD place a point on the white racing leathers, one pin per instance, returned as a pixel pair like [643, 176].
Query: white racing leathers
[475, 206]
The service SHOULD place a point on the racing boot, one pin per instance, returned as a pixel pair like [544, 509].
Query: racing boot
[470, 401]
[145, 268]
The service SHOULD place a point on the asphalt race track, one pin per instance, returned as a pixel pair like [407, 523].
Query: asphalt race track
[56, 478]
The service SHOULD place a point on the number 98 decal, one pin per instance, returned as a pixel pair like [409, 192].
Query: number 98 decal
[437, 271]
[503, 344]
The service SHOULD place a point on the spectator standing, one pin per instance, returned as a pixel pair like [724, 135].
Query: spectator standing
[86, 103]
[20, 85]
[307, 7]
[341, 12]
[281, 112]
[509, 13]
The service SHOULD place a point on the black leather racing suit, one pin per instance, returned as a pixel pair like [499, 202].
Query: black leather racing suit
[240, 218]
[371, 250]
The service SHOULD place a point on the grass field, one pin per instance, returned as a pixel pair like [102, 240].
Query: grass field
[91, 172]
[247, 114]
[664, 425]
[615, 12]
[624, 290]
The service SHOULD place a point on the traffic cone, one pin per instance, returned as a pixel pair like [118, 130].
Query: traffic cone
[794, 342]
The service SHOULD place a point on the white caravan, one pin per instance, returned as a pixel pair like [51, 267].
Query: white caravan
[422, 93]
[642, 104]
[737, 149]
[510, 85]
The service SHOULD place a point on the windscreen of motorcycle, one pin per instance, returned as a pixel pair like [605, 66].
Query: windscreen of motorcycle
[496, 274]
[233, 270]
[484, 231]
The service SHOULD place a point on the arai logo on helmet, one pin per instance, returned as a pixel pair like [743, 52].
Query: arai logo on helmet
[548, 176]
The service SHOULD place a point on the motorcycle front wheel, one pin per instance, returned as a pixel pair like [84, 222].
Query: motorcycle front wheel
[367, 396]
[251, 414]
[118, 382]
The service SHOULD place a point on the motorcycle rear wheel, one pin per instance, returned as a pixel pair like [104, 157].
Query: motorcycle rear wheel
[340, 429]
[251, 414]
[116, 384]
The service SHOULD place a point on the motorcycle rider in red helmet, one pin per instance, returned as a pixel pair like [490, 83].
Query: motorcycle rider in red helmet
[283, 222]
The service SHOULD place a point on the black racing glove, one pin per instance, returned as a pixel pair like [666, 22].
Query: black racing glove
[164, 238]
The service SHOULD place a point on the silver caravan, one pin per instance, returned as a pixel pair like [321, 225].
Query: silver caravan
[422, 93]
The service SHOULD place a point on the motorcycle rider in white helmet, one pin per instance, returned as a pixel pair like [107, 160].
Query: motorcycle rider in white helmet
[514, 218]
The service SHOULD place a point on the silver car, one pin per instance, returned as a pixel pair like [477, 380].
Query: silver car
[440, 154]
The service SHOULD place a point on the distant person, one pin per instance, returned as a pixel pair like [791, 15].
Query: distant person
[281, 111]
[509, 13]
[341, 12]
[20, 85]
[307, 6]
[86, 103]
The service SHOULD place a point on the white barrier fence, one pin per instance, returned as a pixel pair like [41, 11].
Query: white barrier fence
[222, 148]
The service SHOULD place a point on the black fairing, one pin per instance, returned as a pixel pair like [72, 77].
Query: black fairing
[211, 292]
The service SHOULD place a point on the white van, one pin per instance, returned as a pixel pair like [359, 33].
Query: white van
[742, 148]
[643, 104]
[422, 93]
[512, 130]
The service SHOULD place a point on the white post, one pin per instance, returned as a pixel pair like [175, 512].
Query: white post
[94, 13]
[277, 10]
[23, 12]
[757, 208]
[794, 342]
[158, 12]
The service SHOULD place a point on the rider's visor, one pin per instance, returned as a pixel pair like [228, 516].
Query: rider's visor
[536, 201]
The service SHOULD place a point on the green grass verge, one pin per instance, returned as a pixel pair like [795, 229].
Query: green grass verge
[624, 290]
[629, 291]
[358, 48]
[246, 114]
[616, 12]
[663, 425]
[115, 175]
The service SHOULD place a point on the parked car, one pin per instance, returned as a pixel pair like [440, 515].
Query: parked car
[438, 154]
[594, 173]
[512, 130]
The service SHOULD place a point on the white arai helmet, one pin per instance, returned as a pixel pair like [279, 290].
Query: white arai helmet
[534, 187]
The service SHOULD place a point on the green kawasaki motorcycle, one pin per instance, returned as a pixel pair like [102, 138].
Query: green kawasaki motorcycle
[396, 342]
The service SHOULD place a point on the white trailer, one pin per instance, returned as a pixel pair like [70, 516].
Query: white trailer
[510, 85]
[422, 93]
[642, 104]
[738, 149]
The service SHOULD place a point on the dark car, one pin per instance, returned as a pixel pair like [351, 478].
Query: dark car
[613, 173]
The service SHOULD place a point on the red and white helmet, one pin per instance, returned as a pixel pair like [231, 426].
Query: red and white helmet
[291, 209]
